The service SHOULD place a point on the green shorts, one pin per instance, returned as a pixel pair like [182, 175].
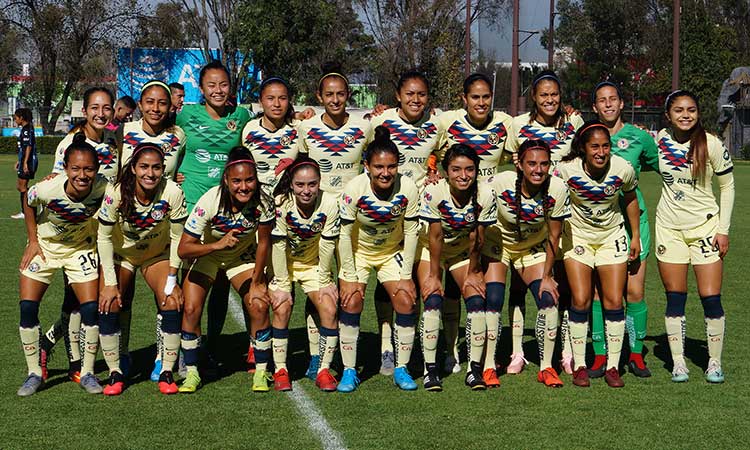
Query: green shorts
[645, 235]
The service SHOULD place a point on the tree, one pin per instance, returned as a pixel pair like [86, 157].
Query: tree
[296, 37]
[65, 38]
[170, 26]
[9, 46]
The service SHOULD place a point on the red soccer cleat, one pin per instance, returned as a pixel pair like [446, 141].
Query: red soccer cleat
[325, 381]
[281, 381]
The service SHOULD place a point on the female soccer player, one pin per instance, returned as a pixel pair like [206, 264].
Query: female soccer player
[307, 226]
[61, 236]
[140, 224]
[457, 209]
[379, 210]
[532, 206]
[335, 139]
[486, 131]
[594, 239]
[691, 228]
[549, 122]
[220, 234]
[638, 148]
[212, 129]
[27, 158]
[416, 135]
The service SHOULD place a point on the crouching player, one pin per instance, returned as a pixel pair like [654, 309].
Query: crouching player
[307, 226]
[140, 224]
[62, 236]
[456, 209]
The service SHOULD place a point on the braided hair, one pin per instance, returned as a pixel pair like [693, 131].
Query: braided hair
[535, 144]
[455, 151]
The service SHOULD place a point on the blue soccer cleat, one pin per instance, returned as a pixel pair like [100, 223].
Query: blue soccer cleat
[403, 380]
[312, 369]
[156, 373]
[349, 381]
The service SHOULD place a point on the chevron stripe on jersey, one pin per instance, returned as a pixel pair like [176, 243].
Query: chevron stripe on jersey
[305, 230]
[593, 193]
[68, 213]
[483, 143]
[271, 145]
[409, 137]
[248, 222]
[553, 139]
[383, 213]
[530, 213]
[672, 155]
[336, 145]
[456, 219]
[151, 217]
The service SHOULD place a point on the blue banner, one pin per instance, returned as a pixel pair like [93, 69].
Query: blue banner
[136, 66]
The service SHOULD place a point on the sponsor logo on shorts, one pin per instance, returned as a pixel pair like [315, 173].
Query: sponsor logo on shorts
[579, 250]
[34, 267]
[660, 250]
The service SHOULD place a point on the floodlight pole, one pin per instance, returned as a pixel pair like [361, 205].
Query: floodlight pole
[514, 63]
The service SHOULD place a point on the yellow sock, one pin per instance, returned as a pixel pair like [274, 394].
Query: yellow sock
[492, 319]
[546, 334]
[476, 336]
[313, 335]
[715, 337]
[615, 335]
[676, 337]
[451, 315]
[90, 340]
[329, 341]
[171, 344]
[348, 336]
[579, 329]
[429, 330]
[280, 347]
[567, 347]
[517, 329]
[111, 351]
[74, 336]
[405, 330]
[30, 343]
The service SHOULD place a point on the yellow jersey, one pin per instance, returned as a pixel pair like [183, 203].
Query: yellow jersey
[170, 141]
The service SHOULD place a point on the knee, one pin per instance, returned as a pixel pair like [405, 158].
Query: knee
[283, 310]
[258, 308]
[191, 312]
[543, 299]
[327, 309]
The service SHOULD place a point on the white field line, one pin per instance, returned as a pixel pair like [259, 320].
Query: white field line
[314, 419]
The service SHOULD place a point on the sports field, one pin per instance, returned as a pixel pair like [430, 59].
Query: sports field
[649, 413]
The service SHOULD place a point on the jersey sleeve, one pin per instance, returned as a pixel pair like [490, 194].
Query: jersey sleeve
[57, 167]
[178, 211]
[412, 194]
[302, 130]
[279, 229]
[332, 228]
[348, 203]
[267, 212]
[511, 143]
[429, 211]
[34, 196]
[559, 193]
[109, 212]
[718, 156]
[488, 205]
[629, 180]
[199, 218]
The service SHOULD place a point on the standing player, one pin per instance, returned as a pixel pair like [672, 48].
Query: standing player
[415, 132]
[532, 206]
[307, 226]
[639, 149]
[379, 211]
[220, 234]
[691, 228]
[549, 122]
[61, 236]
[457, 209]
[140, 224]
[212, 130]
[594, 239]
[27, 159]
[486, 131]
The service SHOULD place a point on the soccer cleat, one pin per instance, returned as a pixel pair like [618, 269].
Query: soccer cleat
[191, 383]
[18, 216]
[431, 380]
[474, 378]
[312, 369]
[281, 381]
[490, 378]
[612, 377]
[567, 364]
[325, 381]
[90, 384]
[680, 373]
[74, 371]
[387, 363]
[349, 381]
[125, 363]
[181, 367]
[167, 386]
[261, 378]
[115, 385]
[451, 365]
[156, 373]
[638, 366]
[31, 384]
[403, 380]
[714, 374]
[251, 359]
[549, 377]
[43, 358]
[517, 363]
[599, 367]
[581, 377]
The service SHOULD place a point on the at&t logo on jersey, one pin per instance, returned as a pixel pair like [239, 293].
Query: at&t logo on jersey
[202, 156]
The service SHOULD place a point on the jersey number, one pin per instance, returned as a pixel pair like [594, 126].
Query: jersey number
[88, 262]
[706, 245]
[621, 244]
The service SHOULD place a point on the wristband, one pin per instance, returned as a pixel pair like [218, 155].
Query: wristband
[171, 283]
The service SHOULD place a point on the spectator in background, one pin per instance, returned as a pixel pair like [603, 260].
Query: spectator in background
[27, 159]
[124, 108]
[178, 96]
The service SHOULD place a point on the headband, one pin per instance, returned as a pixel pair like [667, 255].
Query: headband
[238, 161]
[270, 80]
[603, 84]
[673, 94]
[333, 74]
[593, 125]
[156, 83]
[146, 146]
[289, 165]
[548, 76]
[538, 147]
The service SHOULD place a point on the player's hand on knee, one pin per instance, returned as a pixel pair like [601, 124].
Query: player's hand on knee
[107, 296]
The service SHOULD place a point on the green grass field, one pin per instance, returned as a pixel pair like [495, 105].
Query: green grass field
[648, 413]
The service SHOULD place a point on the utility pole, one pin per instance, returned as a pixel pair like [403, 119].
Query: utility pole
[514, 63]
[676, 45]
[551, 35]
[467, 40]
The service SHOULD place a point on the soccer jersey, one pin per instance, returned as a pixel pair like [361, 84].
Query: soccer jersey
[105, 150]
[686, 203]
[170, 141]
[207, 145]
[595, 203]
[270, 147]
[378, 222]
[534, 212]
[303, 234]
[64, 224]
[558, 138]
[145, 233]
[415, 141]
[27, 139]
[456, 221]
[208, 222]
[488, 142]
[638, 148]
[338, 151]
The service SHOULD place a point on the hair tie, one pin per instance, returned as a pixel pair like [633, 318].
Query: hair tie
[537, 147]
[604, 83]
[333, 74]
[548, 76]
[238, 161]
[270, 80]
[593, 125]
[155, 83]
[147, 146]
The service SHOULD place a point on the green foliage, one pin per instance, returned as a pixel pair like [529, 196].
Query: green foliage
[44, 144]
[169, 27]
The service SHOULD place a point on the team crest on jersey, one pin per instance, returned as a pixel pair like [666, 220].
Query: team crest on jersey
[285, 140]
[579, 250]
[396, 210]
[493, 138]
[348, 140]
[623, 144]
[246, 223]
[421, 133]
[231, 125]
[157, 214]
[34, 267]
[539, 210]
[661, 250]
[609, 190]
[166, 148]
[316, 227]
